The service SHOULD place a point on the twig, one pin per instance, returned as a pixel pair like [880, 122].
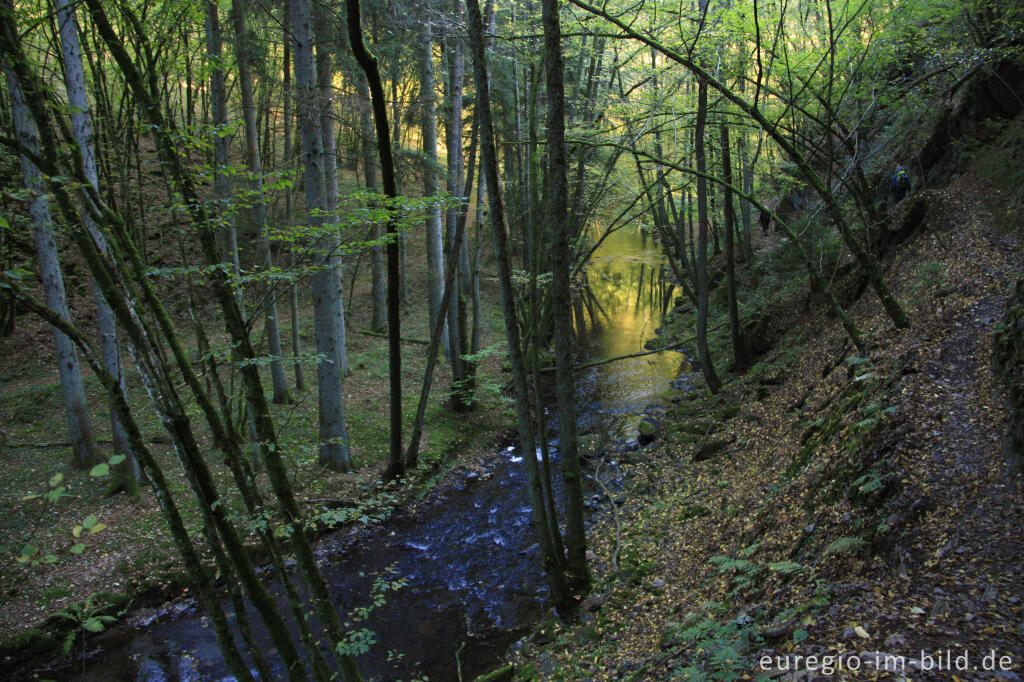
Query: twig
[615, 515]
[458, 660]
[67, 444]
[402, 338]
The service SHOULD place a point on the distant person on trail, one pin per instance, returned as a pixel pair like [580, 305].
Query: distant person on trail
[900, 185]
[765, 219]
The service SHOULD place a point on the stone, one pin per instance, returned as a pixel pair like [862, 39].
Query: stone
[709, 450]
[593, 602]
[647, 432]
[895, 641]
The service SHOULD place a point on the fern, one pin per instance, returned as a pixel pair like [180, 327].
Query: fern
[845, 546]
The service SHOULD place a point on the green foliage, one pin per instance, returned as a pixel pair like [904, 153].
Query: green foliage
[356, 642]
[1000, 160]
[88, 616]
[387, 581]
[929, 277]
[845, 545]
[370, 511]
[719, 649]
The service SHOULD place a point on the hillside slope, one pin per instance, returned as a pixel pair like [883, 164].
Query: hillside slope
[828, 504]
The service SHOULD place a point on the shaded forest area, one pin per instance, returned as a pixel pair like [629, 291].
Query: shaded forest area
[531, 340]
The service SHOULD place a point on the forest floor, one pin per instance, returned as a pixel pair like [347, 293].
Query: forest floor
[133, 562]
[828, 516]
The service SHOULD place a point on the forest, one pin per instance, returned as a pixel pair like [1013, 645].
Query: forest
[523, 340]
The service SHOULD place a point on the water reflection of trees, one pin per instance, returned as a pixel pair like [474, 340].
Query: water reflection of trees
[621, 294]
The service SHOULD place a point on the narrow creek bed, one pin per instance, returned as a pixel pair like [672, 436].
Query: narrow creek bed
[467, 554]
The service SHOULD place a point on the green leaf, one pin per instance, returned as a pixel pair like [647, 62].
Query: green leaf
[785, 567]
[115, 460]
[845, 546]
[93, 625]
[90, 521]
[56, 479]
[100, 470]
[799, 636]
[77, 548]
[97, 528]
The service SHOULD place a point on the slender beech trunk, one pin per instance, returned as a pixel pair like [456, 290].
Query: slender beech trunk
[703, 284]
[741, 354]
[326, 281]
[378, 268]
[435, 237]
[221, 151]
[129, 473]
[578, 574]
[243, 50]
[289, 211]
[396, 463]
[456, 305]
[76, 408]
[553, 563]
[325, 90]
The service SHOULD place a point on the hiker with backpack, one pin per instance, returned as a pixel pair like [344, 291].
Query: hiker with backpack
[900, 185]
[765, 219]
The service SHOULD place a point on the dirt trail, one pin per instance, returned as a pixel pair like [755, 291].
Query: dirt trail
[958, 585]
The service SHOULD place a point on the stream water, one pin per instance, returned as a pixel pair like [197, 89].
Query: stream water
[474, 580]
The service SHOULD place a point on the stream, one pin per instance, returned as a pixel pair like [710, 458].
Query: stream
[474, 579]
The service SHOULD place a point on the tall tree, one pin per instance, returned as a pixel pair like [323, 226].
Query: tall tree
[129, 474]
[324, 32]
[289, 210]
[76, 408]
[326, 281]
[456, 250]
[578, 574]
[741, 354]
[428, 124]
[703, 281]
[244, 47]
[368, 62]
[368, 153]
[545, 526]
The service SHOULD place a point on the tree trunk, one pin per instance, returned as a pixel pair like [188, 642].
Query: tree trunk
[326, 281]
[221, 151]
[129, 473]
[325, 88]
[289, 210]
[243, 49]
[456, 304]
[435, 237]
[578, 574]
[553, 563]
[741, 354]
[76, 408]
[703, 284]
[870, 266]
[396, 463]
[378, 274]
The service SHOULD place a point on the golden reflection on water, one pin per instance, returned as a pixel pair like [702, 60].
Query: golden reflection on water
[616, 314]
